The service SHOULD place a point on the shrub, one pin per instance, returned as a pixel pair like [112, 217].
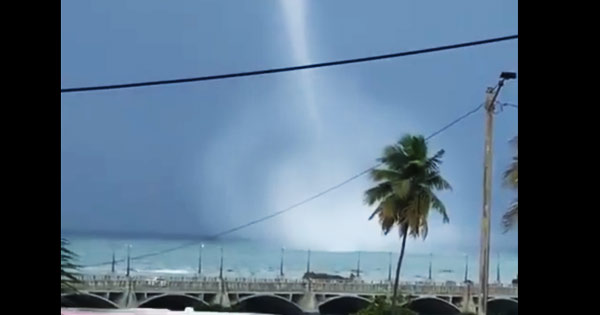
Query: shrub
[382, 307]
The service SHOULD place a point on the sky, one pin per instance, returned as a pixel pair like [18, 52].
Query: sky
[199, 158]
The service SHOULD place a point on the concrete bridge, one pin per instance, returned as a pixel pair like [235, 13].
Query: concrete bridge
[281, 296]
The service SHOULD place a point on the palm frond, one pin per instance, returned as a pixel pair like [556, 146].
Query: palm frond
[68, 269]
[414, 168]
[401, 188]
[437, 182]
[433, 163]
[511, 175]
[388, 214]
[439, 206]
[389, 207]
[414, 146]
[511, 180]
[376, 212]
[515, 142]
[402, 227]
[385, 174]
[377, 193]
[437, 157]
[510, 218]
[394, 157]
[423, 227]
[386, 224]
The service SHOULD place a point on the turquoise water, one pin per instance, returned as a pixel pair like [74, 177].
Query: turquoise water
[257, 259]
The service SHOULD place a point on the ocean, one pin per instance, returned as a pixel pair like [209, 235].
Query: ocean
[246, 258]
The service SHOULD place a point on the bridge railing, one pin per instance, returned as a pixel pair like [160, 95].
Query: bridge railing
[266, 286]
[180, 286]
[349, 287]
[431, 289]
[91, 282]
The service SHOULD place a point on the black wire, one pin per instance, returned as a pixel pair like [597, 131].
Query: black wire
[191, 243]
[467, 114]
[509, 104]
[500, 106]
[276, 70]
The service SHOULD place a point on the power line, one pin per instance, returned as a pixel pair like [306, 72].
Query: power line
[298, 204]
[500, 106]
[509, 105]
[452, 123]
[287, 69]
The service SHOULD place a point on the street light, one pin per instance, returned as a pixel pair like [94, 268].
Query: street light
[508, 75]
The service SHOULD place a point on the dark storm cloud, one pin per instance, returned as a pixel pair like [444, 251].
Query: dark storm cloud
[195, 159]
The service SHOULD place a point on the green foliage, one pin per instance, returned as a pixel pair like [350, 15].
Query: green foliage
[405, 187]
[382, 307]
[68, 269]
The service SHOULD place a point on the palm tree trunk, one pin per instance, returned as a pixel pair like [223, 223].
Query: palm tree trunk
[397, 280]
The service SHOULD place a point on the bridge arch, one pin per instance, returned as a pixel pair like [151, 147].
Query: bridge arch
[431, 305]
[270, 304]
[173, 302]
[343, 304]
[85, 300]
[503, 306]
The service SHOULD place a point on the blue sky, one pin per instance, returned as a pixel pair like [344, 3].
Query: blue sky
[199, 158]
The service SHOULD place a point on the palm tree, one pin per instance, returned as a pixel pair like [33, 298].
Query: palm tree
[511, 180]
[405, 191]
[67, 267]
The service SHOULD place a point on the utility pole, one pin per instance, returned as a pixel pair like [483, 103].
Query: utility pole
[221, 265]
[114, 262]
[498, 270]
[128, 260]
[430, 259]
[281, 264]
[390, 268]
[200, 260]
[466, 268]
[358, 266]
[308, 262]
[484, 262]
